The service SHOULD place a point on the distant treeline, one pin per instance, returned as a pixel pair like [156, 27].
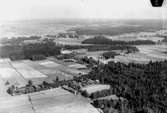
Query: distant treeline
[143, 85]
[102, 47]
[103, 40]
[15, 49]
[108, 27]
[48, 48]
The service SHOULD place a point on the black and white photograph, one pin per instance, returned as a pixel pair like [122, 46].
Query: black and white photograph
[83, 56]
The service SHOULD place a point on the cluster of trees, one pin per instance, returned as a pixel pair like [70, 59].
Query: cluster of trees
[64, 35]
[111, 106]
[112, 47]
[67, 35]
[30, 87]
[9, 50]
[87, 60]
[165, 52]
[143, 85]
[72, 85]
[102, 93]
[103, 40]
[48, 48]
[110, 54]
[165, 39]
[30, 51]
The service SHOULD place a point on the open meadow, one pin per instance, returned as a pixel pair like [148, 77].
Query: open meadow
[20, 72]
[94, 88]
[146, 53]
[50, 101]
[69, 41]
[55, 100]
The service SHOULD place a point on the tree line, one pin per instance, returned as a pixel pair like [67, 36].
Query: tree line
[103, 40]
[101, 47]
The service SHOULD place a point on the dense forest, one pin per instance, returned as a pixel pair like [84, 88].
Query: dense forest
[100, 39]
[46, 48]
[143, 85]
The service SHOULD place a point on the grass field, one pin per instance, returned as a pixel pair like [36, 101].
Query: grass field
[49, 64]
[8, 73]
[96, 87]
[146, 53]
[69, 41]
[3, 93]
[26, 71]
[52, 69]
[49, 101]
[19, 72]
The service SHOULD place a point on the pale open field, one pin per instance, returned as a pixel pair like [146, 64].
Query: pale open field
[3, 93]
[113, 97]
[26, 71]
[76, 66]
[19, 72]
[8, 73]
[134, 37]
[49, 101]
[139, 36]
[96, 87]
[49, 64]
[146, 53]
[154, 52]
[65, 68]
[53, 69]
[69, 41]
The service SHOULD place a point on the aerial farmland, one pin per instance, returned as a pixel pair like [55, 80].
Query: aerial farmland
[83, 67]
[57, 100]
[50, 101]
[19, 72]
